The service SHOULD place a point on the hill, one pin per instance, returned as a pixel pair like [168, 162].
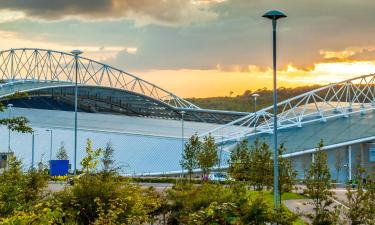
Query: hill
[245, 103]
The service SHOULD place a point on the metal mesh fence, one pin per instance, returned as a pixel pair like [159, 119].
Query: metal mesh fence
[143, 146]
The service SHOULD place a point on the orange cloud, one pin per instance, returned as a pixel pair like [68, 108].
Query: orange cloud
[219, 82]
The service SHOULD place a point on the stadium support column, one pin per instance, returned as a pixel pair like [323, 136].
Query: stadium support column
[362, 155]
[349, 162]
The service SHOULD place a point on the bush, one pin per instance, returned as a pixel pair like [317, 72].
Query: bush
[91, 200]
[217, 204]
[18, 189]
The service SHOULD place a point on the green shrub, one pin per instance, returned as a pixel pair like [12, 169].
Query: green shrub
[218, 204]
[19, 189]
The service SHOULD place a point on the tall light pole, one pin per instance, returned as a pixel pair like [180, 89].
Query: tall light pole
[182, 140]
[76, 53]
[32, 149]
[50, 147]
[274, 16]
[9, 107]
[221, 151]
[255, 96]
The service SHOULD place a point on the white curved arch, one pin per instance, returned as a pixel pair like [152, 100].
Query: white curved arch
[356, 95]
[50, 66]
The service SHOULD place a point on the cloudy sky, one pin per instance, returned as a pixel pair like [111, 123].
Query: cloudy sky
[203, 47]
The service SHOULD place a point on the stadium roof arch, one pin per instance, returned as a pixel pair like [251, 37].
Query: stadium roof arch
[48, 72]
[340, 114]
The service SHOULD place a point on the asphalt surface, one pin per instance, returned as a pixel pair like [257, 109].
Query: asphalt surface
[160, 187]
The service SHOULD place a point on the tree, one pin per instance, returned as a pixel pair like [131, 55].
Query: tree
[318, 185]
[361, 200]
[19, 123]
[356, 200]
[108, 162]
[207, 156]
[91, 159]
[261, 166]
[306, 160]
[18, 189]
[61, 153]
[189, 157]
[287, 174]
[339, 159]
[239, 162]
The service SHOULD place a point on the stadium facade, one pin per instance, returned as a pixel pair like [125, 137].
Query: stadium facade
[145, 122]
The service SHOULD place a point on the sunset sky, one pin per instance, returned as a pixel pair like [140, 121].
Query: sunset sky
[201, 48]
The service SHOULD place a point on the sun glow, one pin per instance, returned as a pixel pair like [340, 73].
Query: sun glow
[220, 82]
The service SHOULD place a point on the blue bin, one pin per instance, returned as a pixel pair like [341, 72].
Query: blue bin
[59, 167]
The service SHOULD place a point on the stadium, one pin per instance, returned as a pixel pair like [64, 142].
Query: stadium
[147, 125]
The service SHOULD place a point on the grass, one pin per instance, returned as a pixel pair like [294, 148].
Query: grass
[285, 196]
[299, 222]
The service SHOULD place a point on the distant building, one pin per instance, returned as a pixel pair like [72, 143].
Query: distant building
[4, 156]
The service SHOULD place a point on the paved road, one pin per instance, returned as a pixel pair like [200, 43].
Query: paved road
[303, 207]
[55, 187]
[160, 187]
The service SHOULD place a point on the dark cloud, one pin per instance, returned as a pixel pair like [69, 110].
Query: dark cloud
[242, 37]
[169, 12]
[239, 36]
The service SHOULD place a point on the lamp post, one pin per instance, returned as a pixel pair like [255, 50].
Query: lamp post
[76, 53]
[9, 107]
[182, 140]
[274, 16]
[255, 96]
[50, 147]
[221, 151]
[32, 149]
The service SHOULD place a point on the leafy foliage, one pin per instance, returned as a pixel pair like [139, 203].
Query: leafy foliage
[19, 189]
[216, 204]
[109, 169]
[239, 162]
[318, 185]
[189, 157]
[62, 154]
[197, 154]
[245, 103]
[207, 156]
[361, 201]
[91, 160]
[19, 123]
[287, 174]
[255, 165]
[261, 166]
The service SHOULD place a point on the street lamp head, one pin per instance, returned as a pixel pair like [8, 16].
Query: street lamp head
[182, 112]
[76, 52]
[255, 95]
[274, 15]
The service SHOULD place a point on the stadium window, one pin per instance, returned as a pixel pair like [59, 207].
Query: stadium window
[372, 155]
